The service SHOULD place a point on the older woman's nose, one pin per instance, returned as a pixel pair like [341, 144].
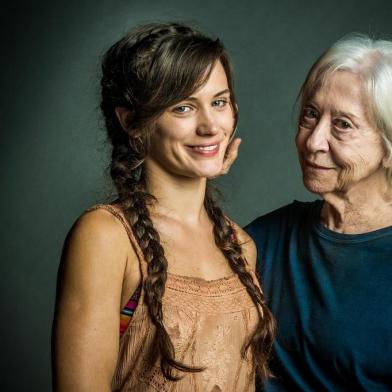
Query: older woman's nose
[207, 123]
[318, 139]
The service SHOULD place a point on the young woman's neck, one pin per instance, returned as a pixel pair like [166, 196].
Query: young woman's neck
[178, 197]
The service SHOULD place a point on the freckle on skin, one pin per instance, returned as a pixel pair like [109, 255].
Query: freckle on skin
[175, 332]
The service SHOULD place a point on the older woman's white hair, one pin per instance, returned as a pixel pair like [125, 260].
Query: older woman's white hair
[369, 58]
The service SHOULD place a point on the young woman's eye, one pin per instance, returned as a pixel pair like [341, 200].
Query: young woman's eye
[181, 109]
[220, 103]
[342, 124]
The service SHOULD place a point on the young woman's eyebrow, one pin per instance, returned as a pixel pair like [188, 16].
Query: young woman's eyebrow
[214, 96]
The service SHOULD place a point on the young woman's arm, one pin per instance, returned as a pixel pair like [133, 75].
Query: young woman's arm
[86, 325]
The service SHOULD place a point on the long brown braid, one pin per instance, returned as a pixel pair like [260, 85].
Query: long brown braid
[150, 69]
[227, 241]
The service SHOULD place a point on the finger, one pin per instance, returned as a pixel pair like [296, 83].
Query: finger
[231, 154]
[232, 148]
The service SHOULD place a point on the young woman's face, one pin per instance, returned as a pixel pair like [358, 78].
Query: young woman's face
[191, 137]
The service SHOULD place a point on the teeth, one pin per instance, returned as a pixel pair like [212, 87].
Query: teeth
[206, 148]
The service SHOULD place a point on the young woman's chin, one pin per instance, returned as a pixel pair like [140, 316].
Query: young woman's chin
[208, 170]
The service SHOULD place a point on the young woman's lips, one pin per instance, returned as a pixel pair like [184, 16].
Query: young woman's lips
[207, 150]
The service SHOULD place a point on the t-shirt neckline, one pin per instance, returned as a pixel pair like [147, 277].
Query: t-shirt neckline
[343, 237]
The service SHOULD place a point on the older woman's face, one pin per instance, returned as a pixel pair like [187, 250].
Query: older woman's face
[339, 147]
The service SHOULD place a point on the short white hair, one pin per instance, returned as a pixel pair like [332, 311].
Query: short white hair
[369, 58]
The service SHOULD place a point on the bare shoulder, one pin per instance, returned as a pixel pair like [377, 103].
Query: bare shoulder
[93, 265]
[247, 244]
[89, 292]
[103, 225]
[100, 230]
[97, 242]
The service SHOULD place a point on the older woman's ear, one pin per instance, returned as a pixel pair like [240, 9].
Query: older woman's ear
[387, 161]
[124, 117]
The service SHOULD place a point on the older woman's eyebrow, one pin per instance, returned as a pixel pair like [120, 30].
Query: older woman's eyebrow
[345, 114]
[310, 104]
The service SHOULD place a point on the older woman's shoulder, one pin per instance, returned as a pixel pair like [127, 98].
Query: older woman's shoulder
[284, 215]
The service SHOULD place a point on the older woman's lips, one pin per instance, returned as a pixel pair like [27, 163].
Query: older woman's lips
[314, 166]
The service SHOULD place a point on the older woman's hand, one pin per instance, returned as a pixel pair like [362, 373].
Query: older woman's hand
[230, 156]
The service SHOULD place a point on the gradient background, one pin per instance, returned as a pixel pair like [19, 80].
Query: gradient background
[53, 151]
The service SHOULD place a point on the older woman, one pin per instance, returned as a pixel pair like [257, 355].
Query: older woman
[326, 266]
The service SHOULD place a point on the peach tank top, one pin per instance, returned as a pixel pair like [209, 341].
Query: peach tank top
[208, 323]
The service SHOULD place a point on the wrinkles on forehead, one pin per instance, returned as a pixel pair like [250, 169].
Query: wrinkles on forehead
[332, 93]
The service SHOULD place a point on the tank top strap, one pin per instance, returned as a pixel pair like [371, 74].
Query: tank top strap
[117, 213]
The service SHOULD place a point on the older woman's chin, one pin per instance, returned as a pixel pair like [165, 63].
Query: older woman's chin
[318, 186]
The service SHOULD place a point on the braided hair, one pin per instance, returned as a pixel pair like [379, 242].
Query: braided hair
[153, 67]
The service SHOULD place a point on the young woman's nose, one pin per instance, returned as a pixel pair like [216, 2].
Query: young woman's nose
[207, 123]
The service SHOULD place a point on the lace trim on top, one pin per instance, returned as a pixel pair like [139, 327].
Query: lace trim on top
[202, 287]
[220, 296]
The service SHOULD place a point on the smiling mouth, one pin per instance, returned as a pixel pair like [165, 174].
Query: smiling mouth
[206, 150]
[314, 166]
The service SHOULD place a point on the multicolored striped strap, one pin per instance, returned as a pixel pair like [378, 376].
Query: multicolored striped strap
[128, 310]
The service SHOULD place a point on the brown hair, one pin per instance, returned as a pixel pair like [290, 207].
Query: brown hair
[150, 69]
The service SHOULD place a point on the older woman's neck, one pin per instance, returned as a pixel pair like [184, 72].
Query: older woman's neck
[358, 210]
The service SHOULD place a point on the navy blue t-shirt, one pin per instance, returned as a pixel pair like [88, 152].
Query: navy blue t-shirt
[331, 295]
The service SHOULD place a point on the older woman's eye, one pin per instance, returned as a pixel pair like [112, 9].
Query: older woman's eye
[309, 113]
[342, 124]
[309, 117]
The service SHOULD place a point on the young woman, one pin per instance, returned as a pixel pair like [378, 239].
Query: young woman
[163, 254]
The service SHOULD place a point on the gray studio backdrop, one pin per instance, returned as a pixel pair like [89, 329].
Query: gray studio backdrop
[53, 152]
